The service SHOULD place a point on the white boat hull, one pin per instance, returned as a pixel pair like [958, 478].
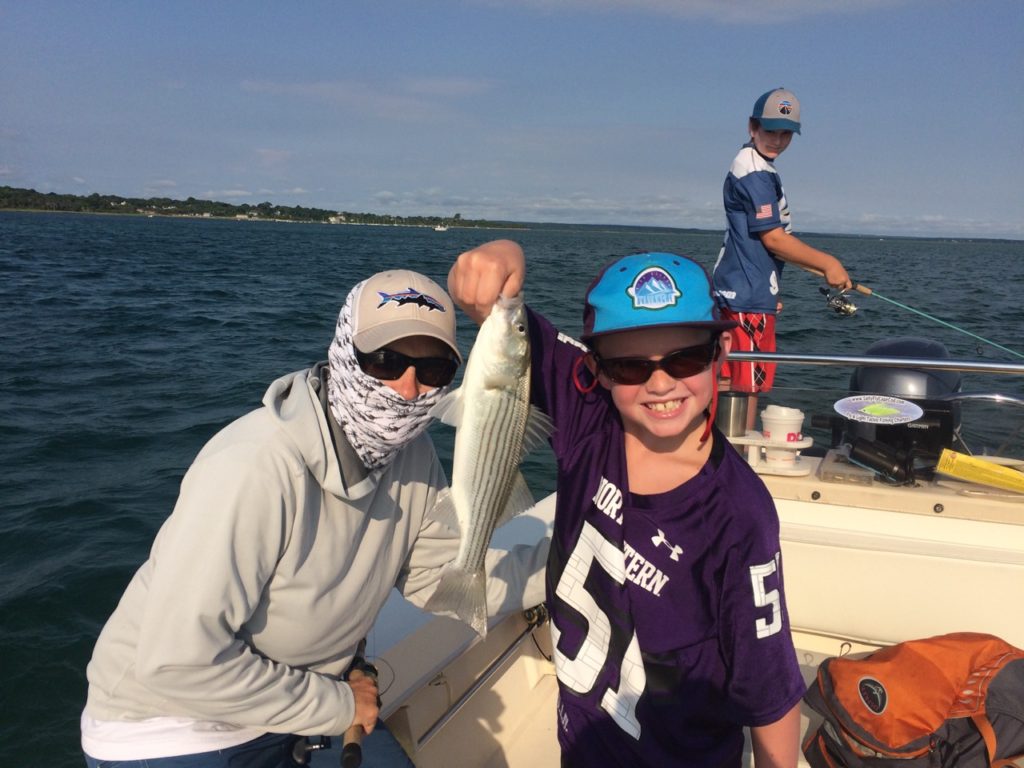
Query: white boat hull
[865, 566]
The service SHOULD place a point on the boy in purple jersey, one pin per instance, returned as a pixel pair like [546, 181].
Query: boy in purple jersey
[664, 576]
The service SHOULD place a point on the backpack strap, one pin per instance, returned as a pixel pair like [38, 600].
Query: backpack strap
[984, 726]
[821, 752]
[981, 722]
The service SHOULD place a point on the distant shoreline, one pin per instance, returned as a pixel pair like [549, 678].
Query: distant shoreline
[195, 217]
[17, 198]
[30, 201]
[515, 226]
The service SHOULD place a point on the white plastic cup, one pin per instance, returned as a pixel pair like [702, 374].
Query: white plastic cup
[781, 425]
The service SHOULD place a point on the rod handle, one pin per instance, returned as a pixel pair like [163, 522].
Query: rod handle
[352, 741]
[856, 286]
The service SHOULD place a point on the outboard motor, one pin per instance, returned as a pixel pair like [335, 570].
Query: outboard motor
[899, 452]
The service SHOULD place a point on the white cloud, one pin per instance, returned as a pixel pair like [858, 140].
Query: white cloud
[723, 11]
[407, 100]
[579, 208]
[450, 87]
[216, 194]
[273, 158]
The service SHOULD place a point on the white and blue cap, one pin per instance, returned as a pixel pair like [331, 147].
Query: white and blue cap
[778, 110]
[650, 290]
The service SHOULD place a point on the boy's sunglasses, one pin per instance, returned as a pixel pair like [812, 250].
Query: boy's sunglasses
[388, 365]
[679, 364]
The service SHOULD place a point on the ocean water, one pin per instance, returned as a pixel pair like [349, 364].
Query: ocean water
[125, 343]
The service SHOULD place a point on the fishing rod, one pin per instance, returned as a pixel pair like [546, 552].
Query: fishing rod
[352, 741]
[871, 292]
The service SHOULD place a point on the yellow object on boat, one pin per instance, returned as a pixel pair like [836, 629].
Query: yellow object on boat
[978, 470]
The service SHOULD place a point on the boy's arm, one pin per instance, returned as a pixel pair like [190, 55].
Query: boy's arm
[791, 248]
[480, 275]
[777, 745]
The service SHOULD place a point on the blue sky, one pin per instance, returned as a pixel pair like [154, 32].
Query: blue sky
[588, 111]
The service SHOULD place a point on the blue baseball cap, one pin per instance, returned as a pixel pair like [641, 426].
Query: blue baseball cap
[778, 110]
[650, 290]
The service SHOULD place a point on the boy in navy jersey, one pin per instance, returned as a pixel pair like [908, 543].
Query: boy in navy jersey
[664, 580]
[759, 241]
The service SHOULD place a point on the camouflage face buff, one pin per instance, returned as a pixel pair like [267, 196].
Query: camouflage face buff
[376, 420]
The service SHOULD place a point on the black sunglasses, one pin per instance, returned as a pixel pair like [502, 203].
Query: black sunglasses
[679, 364]
[388, 365]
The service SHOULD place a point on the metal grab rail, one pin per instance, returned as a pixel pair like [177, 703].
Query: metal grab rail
[535, 617]
[964, 397]
[923, 363]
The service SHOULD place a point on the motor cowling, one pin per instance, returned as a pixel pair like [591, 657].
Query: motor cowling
[915, 445]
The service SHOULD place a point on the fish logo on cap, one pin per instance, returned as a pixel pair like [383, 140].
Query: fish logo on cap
[410, 296]
[653, 288]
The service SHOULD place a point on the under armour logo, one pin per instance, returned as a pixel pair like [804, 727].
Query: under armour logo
[660, 539]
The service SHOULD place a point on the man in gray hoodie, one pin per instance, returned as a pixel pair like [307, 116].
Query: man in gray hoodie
[292, 526]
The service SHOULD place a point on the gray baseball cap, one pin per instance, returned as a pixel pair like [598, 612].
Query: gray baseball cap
[778, 110]
[399, 303]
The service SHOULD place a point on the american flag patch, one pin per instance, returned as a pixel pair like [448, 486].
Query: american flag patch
[764, 212]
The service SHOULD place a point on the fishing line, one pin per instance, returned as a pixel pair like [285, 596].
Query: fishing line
[948, 325]
[871, 292]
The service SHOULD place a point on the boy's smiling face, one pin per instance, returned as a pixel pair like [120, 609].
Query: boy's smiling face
[771, 144]
[663, 407]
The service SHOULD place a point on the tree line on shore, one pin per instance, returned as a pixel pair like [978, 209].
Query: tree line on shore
[14, 198]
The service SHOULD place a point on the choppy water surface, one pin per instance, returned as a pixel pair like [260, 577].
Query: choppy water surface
[125, 343]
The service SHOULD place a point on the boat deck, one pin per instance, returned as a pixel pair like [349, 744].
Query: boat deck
[866, 565]
[511, 720]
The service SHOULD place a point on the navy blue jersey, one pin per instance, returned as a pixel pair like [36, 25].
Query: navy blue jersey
[746, 276]
[667, 610]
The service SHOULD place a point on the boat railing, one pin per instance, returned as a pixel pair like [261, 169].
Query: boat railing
[988, 397]
[922, 363]
[918, 363]
[535, 617]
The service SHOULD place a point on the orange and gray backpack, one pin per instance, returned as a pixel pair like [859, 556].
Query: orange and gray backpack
[949, 701]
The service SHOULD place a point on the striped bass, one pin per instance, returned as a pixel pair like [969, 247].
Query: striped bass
[494, 429]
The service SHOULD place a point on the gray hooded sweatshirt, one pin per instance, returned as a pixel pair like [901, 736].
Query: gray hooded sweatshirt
[272, 568]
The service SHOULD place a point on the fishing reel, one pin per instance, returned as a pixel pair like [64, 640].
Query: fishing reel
[838, 302]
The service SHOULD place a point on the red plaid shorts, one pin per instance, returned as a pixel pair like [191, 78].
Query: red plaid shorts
[755, 333]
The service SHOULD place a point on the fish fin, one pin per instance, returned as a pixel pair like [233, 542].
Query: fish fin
[444, 510]
[463, 594]
[539, 427]
[449, 408]
[520, 499]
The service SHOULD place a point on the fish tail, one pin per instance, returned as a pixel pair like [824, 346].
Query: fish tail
[463, 593]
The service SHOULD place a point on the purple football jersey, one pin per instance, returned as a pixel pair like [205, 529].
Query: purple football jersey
[667, 610]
